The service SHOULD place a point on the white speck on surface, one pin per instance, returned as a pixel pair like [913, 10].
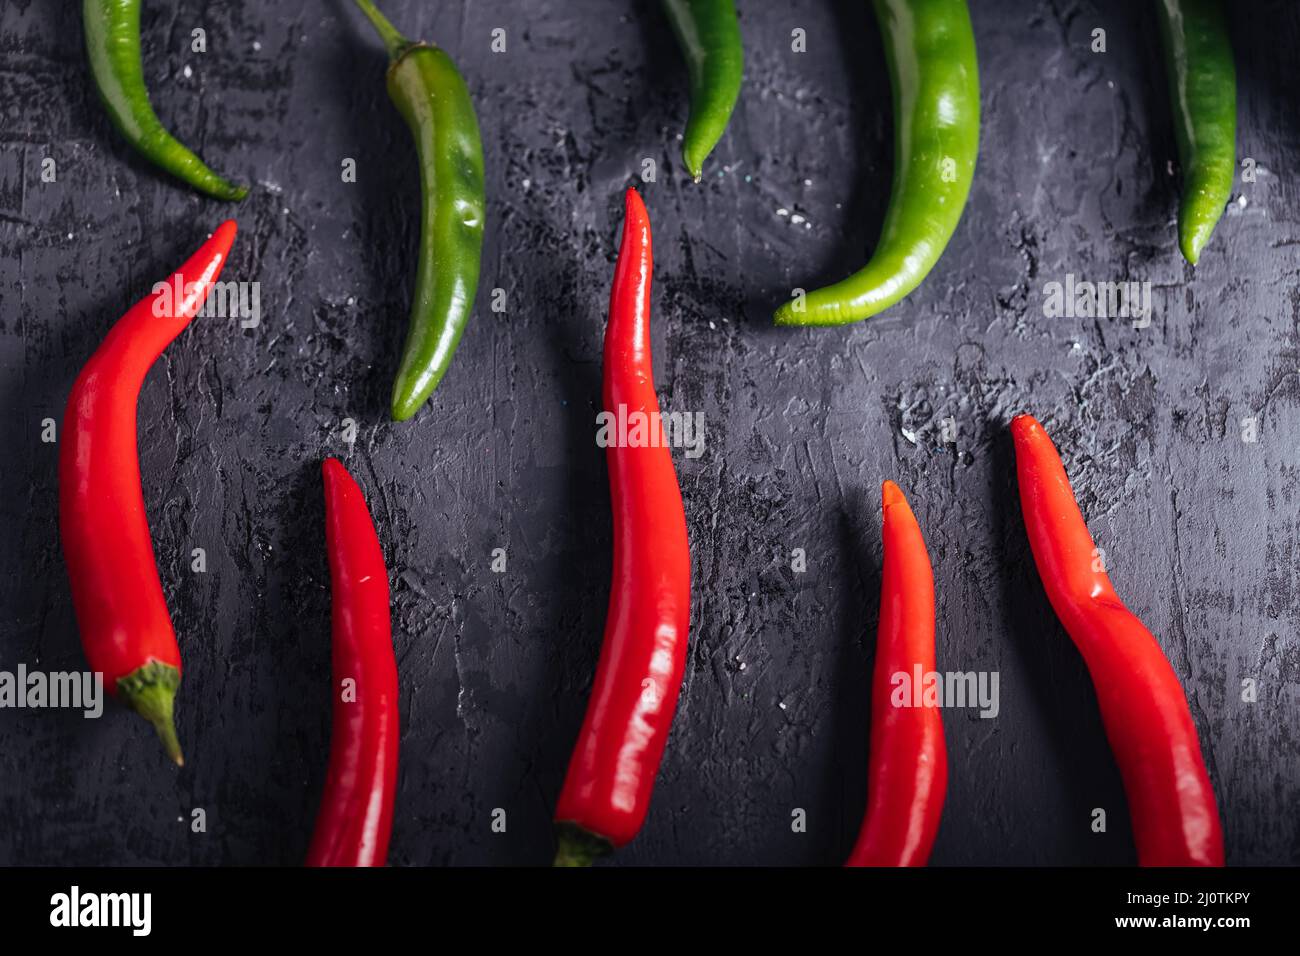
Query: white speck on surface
[742, 666]
[285, 210]
[187, 72]
[909, 435]
[1241, 201]
[1075, 347]
[781, 704]
[783, 212]
[796, 219]
[69, 235]
[526, 183]
[352, 300]
[257, 45]
[712, 326]
[807, 182]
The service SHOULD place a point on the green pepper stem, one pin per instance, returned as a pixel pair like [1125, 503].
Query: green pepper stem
[393, 40]
[578, 847]
[150, 691]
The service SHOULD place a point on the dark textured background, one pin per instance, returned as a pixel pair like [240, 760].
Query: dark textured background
[1074, 176]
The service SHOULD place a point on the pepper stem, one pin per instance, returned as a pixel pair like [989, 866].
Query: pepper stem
[578, 847]
[151, 692]
[393, 40]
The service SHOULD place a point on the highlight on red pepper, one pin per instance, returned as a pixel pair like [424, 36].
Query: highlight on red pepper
[356, 814]
[607, 789]
[908, 771]
[126, 630]
[1143, 708]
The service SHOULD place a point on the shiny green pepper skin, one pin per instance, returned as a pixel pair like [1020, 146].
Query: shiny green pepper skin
[433, 99]
[930, 52]
[1203, 89]
[112, 29]
[709, 35]
[431, 96]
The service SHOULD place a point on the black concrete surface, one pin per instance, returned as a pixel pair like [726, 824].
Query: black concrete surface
[1075, 176]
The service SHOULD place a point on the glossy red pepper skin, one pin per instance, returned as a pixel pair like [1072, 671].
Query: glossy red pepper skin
[1143, 708]
[121, 612]
[908, 772]
[356, 814]
[607, 790]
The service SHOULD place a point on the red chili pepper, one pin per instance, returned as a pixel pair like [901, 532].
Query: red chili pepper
[1144, 711]
[607, 790]
[122, 614]
[909, 762]
[356, 814]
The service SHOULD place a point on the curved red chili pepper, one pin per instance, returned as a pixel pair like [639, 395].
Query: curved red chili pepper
[356, 814]
[1143, 708]
[121, 612]
[909, 762]
[607, 790]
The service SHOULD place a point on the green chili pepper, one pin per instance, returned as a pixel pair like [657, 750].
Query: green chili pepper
[1203, 87]
[113, 44]
[710, 39]
[930, 52]
[431, 96]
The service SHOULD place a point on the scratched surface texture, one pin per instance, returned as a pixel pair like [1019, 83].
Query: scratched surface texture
[1201, 529]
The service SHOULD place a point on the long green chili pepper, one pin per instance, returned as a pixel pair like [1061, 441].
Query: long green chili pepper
[1203, 87]
[113, 44]
[431, 96]
[710, 39]
[930, 52]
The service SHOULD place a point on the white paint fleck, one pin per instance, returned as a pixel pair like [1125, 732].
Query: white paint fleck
[909, 434]
[187, 72]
